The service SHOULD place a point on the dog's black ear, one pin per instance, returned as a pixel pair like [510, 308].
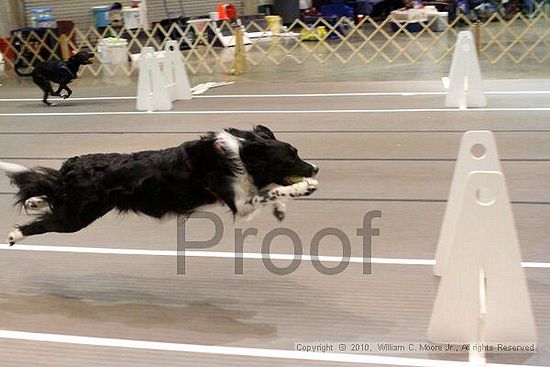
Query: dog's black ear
[255, 157]
[264, 132]
[253, 148]
[254, 152]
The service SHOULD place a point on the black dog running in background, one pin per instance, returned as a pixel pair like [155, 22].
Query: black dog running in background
[57, 71]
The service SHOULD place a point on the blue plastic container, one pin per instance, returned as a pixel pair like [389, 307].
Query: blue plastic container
[46, 21]
[412, 26]
[39, 15]
[101, 15]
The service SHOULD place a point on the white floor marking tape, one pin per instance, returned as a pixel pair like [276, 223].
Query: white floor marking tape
[226, 254]
[290, 95]
[112, 98]
[271, 112]
[358, 94]
[236, 351]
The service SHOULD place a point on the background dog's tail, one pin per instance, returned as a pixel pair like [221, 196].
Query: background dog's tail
[20, 73]
[40, 181]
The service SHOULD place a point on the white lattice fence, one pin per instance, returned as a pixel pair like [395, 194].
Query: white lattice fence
[204, 44]
[519, 39]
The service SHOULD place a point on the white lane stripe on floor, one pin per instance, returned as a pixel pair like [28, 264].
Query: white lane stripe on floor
[289, 95]
[361, 94]
[111, 98]
[226, 254]
[235, 351]
[271, 112]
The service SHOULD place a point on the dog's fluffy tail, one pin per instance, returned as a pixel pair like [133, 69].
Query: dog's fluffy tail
[11, 168]
[40, 181]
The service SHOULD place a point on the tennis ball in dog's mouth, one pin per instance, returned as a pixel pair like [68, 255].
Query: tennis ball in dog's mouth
[294, 179]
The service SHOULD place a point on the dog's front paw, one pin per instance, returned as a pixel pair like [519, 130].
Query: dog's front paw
[311, 182]
[15, 236]
[64, 96]
[311, 186]
[279, 211]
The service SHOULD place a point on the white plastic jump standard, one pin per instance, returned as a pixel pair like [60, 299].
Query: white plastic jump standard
[478, 152]
[483, 295]
[465, 88]
[175, 75]
[152, 93]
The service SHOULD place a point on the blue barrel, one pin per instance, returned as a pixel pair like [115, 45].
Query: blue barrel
[101, 15]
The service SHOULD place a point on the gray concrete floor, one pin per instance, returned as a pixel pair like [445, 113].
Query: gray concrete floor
[398, 162]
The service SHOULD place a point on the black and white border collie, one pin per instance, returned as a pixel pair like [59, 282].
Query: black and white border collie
[245, 170]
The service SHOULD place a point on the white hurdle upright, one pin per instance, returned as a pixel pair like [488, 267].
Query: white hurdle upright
[175, 75]
[157, 90]
[483, 295]
[152, 93]
[478, 152]
[465, 88]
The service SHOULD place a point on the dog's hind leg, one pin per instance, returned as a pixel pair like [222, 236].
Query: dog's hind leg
[45, 99]
[58, 91]
[46, 87]
[69, 91]
[72, 220]
[46, 223]
[15, 236]
[37, 203]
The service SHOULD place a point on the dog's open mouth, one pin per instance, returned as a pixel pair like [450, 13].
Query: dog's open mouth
[89, 59]
[291, 180]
